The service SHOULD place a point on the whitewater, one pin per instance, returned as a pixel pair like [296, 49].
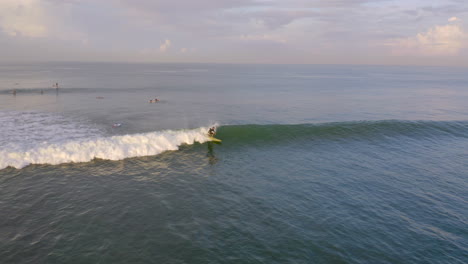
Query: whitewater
[47, 138]
[111, 148]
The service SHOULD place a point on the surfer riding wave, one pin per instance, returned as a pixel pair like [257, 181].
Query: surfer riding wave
[211, 132]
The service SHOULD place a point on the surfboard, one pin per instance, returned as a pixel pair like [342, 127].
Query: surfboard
[214, 139]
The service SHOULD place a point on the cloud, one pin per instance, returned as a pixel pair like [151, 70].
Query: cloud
[276, 18]
[337, 30]
[23, 18]
[39, 19]
[165, 46]
[445, 40]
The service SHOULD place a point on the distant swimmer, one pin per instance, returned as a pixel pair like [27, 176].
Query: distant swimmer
[151, 101]
[14, 92]
[116, 125]
[56, 86]
[211, 132]
[156, 100]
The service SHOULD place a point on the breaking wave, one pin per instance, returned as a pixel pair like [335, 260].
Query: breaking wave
[110, 148]
[47, 138]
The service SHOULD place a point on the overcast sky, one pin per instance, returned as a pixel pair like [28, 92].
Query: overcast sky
[421, 32]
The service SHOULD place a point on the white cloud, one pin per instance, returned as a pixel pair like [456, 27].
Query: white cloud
[23, 17]
[453, 19]
[165, 46]
[438, 41]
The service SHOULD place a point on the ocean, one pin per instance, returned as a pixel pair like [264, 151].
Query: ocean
[318, 163]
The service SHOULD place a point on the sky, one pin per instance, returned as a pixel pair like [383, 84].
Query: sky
[384, 32]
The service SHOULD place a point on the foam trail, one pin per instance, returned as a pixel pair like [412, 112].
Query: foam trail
[109, 148]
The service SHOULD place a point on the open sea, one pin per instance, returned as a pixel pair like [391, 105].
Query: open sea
[318, 164]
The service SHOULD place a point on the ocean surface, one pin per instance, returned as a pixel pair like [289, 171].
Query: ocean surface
[318, 164]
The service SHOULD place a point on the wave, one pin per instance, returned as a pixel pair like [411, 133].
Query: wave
[109, 148]
[48, 90]
[85, 148]
[342, 131]
[72, 90]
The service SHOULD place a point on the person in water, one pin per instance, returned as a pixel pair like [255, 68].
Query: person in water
[212, 132]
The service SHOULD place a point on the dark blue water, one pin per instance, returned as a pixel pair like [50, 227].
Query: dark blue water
[318, 164]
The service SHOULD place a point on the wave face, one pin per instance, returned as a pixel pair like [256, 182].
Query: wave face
[342, 131]
[43, 138]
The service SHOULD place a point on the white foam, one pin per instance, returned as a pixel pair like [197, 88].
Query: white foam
[48, 138]
[110, 148]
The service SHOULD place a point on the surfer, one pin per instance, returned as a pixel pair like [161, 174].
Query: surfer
[212, 132]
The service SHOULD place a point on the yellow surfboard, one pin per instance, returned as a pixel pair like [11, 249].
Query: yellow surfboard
[214, 139]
